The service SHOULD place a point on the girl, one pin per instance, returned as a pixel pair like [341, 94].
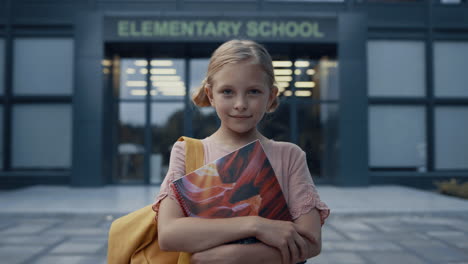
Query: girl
[240, 85]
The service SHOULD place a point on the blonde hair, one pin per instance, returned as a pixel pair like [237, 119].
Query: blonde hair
[234, 51]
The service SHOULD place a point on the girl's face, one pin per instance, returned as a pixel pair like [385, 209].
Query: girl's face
[240, 95]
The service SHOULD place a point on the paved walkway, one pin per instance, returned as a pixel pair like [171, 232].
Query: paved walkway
[380, 224]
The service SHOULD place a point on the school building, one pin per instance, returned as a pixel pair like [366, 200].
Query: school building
[95, 92]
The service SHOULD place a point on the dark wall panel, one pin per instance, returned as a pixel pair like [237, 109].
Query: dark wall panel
[352, 68]
[2, 12]
[302, 6]
[46, 12]
[87, 169]
[451, 17]
[146, 7]
[395, 15]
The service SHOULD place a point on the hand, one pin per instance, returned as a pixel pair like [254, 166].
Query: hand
[285, 236]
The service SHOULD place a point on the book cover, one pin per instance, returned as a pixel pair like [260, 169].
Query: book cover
[241, 183]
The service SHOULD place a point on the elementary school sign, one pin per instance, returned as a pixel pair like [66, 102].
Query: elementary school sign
[220, 28]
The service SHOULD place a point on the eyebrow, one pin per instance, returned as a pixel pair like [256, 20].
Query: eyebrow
[249, 87]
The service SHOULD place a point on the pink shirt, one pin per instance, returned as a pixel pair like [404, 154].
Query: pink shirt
[288, 162]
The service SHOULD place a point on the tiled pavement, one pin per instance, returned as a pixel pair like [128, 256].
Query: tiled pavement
[374, 235]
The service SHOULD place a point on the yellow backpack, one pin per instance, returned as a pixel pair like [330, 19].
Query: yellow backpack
[133, 238]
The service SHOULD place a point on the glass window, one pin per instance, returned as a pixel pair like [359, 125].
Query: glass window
[43, 66]
[2, 66]
[396, 68]
[204, 119]
[397, 137]
[284, 76]
[327, 80]
[318, 136]
[198, 68]
[133, 82]
[131, 149]
[167, 125]
[1, 137]
[450, 64]
[451, 142]
[42, 136]
[168, 78]
[277, 125]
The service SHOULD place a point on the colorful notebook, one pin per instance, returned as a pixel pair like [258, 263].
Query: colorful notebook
[241, 183]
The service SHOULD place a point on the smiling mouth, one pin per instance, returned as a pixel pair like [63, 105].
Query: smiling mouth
[240, 116]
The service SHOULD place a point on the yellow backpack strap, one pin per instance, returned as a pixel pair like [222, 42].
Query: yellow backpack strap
[194, 159]
[194, 154]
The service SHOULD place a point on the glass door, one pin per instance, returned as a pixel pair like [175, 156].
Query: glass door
[151, 114]
[153, 107]
[308, 112]
[132, 120]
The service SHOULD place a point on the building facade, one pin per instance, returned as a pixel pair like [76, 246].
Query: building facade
[96, 92]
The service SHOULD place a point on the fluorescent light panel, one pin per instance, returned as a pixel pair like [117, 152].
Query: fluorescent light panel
[302, 64]
[282, 63]
[283, 72]
[303, 93]
[162, 63]
[304, 84]
[136, 84]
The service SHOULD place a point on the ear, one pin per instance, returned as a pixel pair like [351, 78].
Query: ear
[209, 94]
[272, 97]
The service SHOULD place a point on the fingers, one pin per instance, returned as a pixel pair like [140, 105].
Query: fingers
[303, 247]
[293, 250]
[284, 254]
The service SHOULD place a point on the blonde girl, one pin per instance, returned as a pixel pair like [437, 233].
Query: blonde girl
[240, 86]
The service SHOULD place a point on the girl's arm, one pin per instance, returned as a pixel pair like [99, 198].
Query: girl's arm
[191, 234]
[310, 222]
[262, 253]
[238, 254]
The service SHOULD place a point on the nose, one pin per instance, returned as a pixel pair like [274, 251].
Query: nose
[240, 103]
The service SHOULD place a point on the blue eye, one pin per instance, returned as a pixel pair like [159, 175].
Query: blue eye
[255, 91]
[227, 92]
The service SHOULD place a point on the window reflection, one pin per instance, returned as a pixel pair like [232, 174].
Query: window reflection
[130, 164]
[1, 137]
[198, 68]
[47, 63]
[133, 78]
[309, 78]
[276, 125]
[204, 121]
[451, 143]
[41, 136]
[167, 78]
[326, 80]
[318, 137]
[394, 148]
[167, 124]
[2, 65]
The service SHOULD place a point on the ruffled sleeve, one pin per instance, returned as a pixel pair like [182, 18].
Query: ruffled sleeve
[303, 195]
[175, 171]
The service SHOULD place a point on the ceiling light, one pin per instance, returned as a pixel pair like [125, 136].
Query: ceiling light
[283, 72]
[162, 63]
[303, 93]
[282, 63]
[163, 71]
[304, 84]
[302, 64]
[141, 63]
[136, 84]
